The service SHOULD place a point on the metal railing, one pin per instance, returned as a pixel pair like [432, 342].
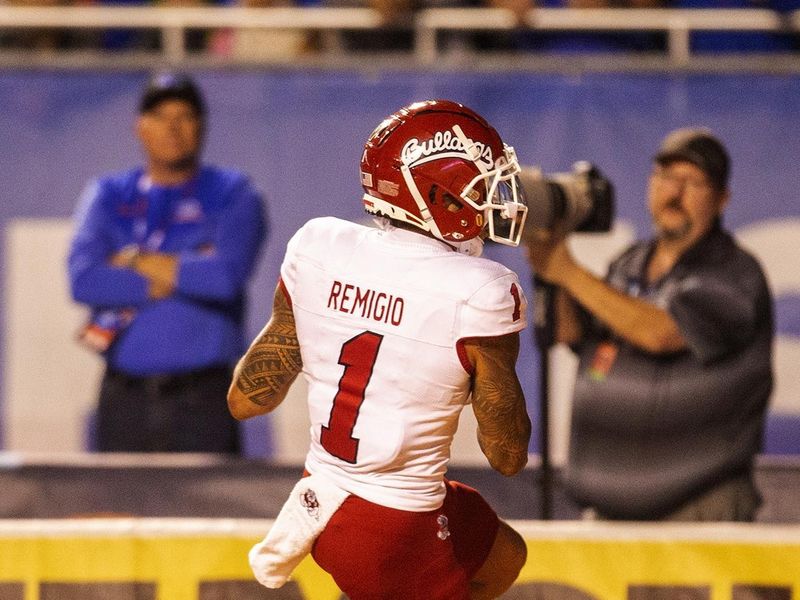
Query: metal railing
[677, 24]
[427, 24]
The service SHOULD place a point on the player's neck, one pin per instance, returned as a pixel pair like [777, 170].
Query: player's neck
[409, 227]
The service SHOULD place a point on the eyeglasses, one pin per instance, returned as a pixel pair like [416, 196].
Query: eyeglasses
[668, 178]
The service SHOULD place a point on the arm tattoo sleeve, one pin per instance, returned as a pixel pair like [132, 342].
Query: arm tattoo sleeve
[273, 360]
[504, 428]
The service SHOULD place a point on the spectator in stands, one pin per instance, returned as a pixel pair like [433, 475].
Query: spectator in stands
[129, 39]
[396, 33]
[597, 41]
[741, 41]
[675, 353]
[45, 39]
[162, 254]
[196, 40]
[263, 44]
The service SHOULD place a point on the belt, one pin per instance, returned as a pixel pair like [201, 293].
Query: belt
[163, 380]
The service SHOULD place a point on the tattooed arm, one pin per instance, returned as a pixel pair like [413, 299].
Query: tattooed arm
[504, 428]
[266, 371]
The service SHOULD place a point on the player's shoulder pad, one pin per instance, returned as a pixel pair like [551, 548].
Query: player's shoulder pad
[497, 307]
[323, 233]
[313, 240]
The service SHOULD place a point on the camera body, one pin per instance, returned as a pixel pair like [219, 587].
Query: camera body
[581, 200]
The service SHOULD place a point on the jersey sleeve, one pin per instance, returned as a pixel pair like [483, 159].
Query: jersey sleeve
[497, 308]
[289, 264]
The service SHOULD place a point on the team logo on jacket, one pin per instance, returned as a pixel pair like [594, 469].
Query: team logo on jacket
[188, 211]
[309, 500]
[445, 144]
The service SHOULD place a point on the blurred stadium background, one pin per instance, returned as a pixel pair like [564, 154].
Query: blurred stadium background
[296, 120]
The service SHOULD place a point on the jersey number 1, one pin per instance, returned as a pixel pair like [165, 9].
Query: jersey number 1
[358, 358]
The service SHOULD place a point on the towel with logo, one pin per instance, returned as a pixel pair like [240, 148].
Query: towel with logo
[303, 517]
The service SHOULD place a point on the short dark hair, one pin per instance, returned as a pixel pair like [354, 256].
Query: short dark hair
[700, 147]
[172, 86]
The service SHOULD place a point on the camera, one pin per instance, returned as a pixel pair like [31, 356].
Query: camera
[581, 200]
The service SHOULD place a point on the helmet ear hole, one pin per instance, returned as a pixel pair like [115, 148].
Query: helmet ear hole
[451, 203]
[438, 196]
[432, 194]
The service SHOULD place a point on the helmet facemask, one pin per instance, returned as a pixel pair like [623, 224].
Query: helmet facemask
[505, 208]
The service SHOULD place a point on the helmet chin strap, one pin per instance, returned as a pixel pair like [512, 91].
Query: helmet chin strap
[473, 247]
[382, 223]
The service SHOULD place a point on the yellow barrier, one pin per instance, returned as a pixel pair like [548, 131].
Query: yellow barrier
[615, 561]
[191, 559]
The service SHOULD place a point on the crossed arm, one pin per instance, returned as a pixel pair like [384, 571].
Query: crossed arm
[504, 428]
[264, 374]
[160, 269]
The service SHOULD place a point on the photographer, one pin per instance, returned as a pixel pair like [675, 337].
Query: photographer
[675, 353]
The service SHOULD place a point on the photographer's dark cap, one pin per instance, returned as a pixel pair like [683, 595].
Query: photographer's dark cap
[699, 147]
[172, 86]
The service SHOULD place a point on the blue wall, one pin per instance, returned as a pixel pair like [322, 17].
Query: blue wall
[300, 134]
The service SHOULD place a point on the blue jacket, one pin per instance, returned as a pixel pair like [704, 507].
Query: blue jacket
[215, 223]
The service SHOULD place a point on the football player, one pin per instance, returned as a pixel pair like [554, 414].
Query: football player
[397, 328]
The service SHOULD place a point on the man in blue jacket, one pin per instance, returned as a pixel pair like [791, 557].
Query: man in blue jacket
[162, 254]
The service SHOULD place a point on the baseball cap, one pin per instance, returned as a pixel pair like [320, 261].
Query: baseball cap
[698, 146]
[172, 86]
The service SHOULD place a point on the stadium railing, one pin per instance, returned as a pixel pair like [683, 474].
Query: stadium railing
[427, 24]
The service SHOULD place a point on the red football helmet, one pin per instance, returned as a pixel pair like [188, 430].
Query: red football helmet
[441, 167]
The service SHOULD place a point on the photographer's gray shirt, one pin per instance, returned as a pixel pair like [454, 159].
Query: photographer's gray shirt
[651, 431]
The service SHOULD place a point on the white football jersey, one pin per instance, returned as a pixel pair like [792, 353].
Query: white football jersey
[380, 315]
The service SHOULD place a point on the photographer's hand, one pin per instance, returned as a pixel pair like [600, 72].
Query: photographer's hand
[550, 257]
[552, 262]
